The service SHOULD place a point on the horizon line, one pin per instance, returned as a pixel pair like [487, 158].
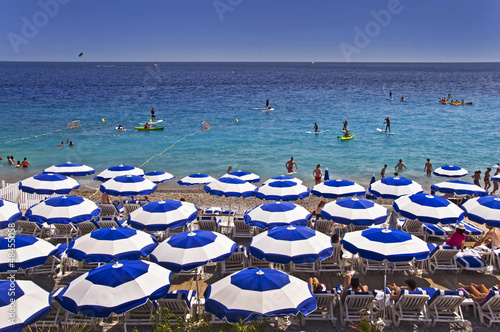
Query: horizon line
[312, 62]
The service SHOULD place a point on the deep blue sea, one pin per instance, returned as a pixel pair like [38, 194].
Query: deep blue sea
[38, 99]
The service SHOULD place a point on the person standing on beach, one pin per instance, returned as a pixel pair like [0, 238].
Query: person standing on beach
[382, 172]
[487, 183]
[400, 165]
[495, 183]
[289, 165]
[428, 167]
[318, 174]
[316, 127]
[153, 116]
[387, 123]
[477, 177]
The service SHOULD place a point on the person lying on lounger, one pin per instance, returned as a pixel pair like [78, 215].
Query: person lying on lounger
[352, 284]
[476, 292]
[411, 285]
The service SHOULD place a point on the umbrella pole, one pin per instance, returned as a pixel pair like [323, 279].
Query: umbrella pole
[383, 289]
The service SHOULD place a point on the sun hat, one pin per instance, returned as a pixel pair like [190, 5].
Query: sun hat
[460, 226]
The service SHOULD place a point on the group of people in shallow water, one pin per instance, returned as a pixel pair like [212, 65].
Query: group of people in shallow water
[487, 179]
[70, 143]
[12, 161]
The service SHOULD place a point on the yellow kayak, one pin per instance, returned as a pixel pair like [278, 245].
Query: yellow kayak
[346, 138]
[150, 128]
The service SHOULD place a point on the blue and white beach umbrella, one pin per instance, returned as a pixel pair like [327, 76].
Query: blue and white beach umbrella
[428, 209]
[158, 216]
[253, 293]
[189, 250]
[245, 176]
[386, 244]
[9, 213]
[356, 211]
[120, 170]
[496, 178]
[195, 179]
[48, 184]
[337, 188]
[297, 244]
[70, 169]
[283, 191]
[158, 176]
[63, 210]
[29, 252]
[270, 215]
[284, 178]
[394, 187]
[484, 210]
[112, 244]
[230, 187]
[459, 187]
[450, 171]
[115, 288]
[327, 174]
[128, 185]
[22, 302]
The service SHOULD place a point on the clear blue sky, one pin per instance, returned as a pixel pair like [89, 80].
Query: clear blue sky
[250, 30]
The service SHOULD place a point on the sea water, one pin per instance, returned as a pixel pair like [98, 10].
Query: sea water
[37, 100]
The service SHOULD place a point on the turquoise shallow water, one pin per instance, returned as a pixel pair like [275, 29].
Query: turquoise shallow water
[38, 99]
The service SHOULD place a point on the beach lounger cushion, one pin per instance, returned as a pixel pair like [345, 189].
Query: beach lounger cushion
[434, 230]
[212, 210]
[186, 295]
[440, 292]
[471, 230]
[471, 263]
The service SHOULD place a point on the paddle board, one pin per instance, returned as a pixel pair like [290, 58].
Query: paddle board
[150, 128]
[317, 132]
[389, 98]
[154, 122]
[385, 132]
[268, 109]
[120, 129]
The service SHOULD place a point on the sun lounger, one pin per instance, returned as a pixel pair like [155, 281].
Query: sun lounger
[85, 227]
[235, 263]
[471, 231]
[411, 306]
[324, 311]
[443, 259]
[141, 316]
[212, 211]
[241, 229]
[444, 306]
[413, 227]
[334, 263]
[489, 308]
[434, 230]
[25, 227]
[180, 303]
[356, 306]
[325, 226]
[51, 267]
[208, 223]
